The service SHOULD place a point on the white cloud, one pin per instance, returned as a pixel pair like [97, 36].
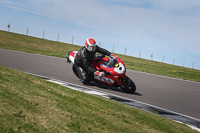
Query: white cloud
[152, 22]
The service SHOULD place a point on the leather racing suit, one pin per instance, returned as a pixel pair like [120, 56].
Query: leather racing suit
[83, 60]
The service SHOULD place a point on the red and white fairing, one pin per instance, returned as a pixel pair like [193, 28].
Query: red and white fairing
[114, 70]
[72, 56]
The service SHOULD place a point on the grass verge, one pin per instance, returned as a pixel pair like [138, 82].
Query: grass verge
[29, 104]
[41, 46]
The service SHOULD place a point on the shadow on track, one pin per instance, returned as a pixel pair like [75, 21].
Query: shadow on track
[112, 88]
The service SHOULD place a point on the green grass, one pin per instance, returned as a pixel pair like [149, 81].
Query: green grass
[161, 68]
[34, 45]
[52, 48]
[29, 104]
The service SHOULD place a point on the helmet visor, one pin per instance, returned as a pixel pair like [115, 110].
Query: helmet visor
[91, 48]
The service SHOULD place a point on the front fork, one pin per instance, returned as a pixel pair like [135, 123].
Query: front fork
[119, 82]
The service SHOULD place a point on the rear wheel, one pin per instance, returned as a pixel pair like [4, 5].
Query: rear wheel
[129, 85]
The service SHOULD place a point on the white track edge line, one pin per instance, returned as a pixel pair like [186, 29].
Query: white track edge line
[63, 82]
[116, 96]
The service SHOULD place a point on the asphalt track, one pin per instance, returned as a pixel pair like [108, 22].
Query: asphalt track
[177, 95]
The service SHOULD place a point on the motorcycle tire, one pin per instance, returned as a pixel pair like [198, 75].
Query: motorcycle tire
[129, 85]
[75, 71]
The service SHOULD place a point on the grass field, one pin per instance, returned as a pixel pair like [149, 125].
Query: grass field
[41, 46]
[32, 105]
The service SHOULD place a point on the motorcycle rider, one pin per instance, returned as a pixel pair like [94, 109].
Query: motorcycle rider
[84, 58]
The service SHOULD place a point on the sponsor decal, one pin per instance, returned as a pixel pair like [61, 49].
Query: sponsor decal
[104, 79]
[120, 69]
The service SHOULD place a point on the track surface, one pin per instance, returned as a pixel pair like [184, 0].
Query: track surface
[177, 95]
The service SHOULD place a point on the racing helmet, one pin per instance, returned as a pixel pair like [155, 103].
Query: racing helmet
[90, 44]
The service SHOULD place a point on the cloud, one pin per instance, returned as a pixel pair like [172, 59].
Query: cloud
[147, 22]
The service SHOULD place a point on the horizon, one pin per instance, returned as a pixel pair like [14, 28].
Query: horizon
[143, 28]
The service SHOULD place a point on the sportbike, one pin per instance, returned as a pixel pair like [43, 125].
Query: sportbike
[114, 69]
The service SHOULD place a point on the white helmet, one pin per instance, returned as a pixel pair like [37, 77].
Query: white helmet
[90, 44]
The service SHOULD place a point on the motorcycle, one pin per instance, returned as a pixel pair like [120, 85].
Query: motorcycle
[114, 69]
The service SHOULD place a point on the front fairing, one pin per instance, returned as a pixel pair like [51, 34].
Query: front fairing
[114, 71]
[114, 66]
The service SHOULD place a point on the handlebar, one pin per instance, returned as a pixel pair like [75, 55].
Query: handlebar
[111, 62]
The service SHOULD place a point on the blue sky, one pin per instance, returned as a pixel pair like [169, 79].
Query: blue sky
[163, 27]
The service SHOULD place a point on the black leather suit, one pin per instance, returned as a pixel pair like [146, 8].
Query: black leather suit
[83, 60]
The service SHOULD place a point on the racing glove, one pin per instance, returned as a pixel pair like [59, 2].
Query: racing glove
[112, 56]
[100, 74]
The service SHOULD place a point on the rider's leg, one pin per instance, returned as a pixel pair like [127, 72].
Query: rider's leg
[83, 76]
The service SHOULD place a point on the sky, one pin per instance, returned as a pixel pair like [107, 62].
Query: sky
[167, 29]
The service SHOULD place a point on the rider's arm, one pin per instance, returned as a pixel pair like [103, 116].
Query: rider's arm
[103, 51]
[106, 52]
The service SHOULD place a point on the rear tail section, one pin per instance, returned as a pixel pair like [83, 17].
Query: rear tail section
[67, 57]
[70, 56]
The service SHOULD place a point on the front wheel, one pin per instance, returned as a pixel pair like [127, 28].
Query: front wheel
[128, 85]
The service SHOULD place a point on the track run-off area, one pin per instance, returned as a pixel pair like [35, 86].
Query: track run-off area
[172, 94]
